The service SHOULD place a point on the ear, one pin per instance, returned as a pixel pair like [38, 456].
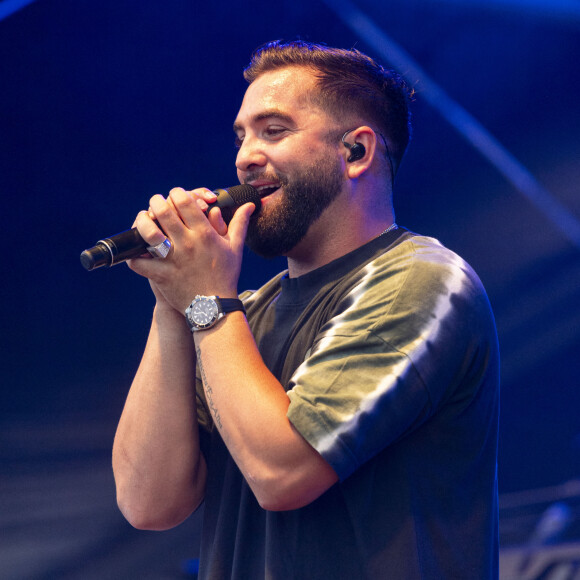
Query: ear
[361, 137]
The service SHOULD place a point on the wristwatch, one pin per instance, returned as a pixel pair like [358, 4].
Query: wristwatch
[205, 311]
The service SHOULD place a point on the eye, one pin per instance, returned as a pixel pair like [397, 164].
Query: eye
[269, 133]
[274, 132]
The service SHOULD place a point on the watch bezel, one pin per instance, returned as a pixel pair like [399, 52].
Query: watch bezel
[203, 300]
[223, 305]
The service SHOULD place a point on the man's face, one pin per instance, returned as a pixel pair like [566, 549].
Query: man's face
[286, 151]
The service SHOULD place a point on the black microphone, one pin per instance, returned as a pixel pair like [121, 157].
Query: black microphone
[129, 244]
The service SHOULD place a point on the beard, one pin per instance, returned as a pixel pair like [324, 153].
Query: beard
[307, 193]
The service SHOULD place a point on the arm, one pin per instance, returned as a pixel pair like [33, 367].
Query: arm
[249, 407]
[248, 404]
[159, 470]
[160, 473]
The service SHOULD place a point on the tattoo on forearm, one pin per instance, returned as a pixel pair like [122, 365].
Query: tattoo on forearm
[208, 390]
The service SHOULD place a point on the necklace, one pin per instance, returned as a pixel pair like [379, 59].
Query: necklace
[392, 227]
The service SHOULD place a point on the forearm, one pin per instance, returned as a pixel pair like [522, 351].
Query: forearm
[249, 406]
[159, 470]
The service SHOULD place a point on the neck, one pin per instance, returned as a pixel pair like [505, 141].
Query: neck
[322, 245]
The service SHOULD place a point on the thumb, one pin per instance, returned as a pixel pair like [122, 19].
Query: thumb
[239, 224]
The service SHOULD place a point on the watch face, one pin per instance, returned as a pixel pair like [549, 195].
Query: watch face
[203, 312]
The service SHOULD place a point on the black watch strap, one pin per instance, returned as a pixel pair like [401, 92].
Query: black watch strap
[231, 305]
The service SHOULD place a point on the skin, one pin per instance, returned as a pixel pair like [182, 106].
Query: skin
[156, 449]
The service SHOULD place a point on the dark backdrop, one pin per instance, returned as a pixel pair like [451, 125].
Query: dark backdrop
[103, 104]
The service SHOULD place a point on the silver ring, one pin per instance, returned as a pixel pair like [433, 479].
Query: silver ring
[160, 250]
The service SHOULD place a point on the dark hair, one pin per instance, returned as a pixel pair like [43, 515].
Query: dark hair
[350, 83]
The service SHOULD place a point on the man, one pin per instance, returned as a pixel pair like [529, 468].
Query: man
[347, 421]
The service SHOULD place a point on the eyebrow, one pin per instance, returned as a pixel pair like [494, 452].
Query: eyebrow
[266, 115]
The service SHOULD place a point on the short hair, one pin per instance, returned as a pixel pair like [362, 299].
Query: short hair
[350, 84]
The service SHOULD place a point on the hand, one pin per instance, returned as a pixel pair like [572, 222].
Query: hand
[206, 254]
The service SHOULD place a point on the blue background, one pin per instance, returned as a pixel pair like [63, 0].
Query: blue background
[103, 104]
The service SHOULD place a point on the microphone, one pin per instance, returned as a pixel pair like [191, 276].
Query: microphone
[129, 244]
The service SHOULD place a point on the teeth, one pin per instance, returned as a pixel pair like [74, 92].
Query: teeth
[265, 190]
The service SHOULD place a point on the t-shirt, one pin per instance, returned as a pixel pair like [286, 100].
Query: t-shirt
[390, 360]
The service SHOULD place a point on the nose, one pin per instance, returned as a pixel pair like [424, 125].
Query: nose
[250, 155]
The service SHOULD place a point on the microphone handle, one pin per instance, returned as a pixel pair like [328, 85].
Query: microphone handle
[129, 244]
[114, 250]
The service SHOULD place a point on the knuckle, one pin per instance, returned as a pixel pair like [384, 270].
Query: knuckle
[201, 204]
[163, 211]
[144, 223]
[181, 198]
[141, 217]
[177, 193]
[156, 200]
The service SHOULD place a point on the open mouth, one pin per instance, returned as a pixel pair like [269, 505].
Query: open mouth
[266, 190]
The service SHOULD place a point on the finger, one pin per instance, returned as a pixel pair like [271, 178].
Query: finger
[167, 216]
[202, 204]
[239, 225]
[175, 190]
[204, 193]
[145, 266]
[217, 221]
[148, 229]
[203, 197]
[188, 206]
[206, 199]
[149, 212]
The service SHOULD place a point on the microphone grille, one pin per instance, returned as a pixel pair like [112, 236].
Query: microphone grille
[242, 194]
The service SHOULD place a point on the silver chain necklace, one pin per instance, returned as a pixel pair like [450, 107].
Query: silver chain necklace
[392, 227]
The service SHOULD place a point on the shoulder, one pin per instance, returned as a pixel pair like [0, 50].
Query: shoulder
[417, 258]
[417, 298]
[413, 276]
[434, 269]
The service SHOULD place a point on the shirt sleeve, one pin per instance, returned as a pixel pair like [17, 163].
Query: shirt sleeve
[402, 342]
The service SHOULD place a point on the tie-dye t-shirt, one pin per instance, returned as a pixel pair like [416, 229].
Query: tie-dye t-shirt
[389, 357]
